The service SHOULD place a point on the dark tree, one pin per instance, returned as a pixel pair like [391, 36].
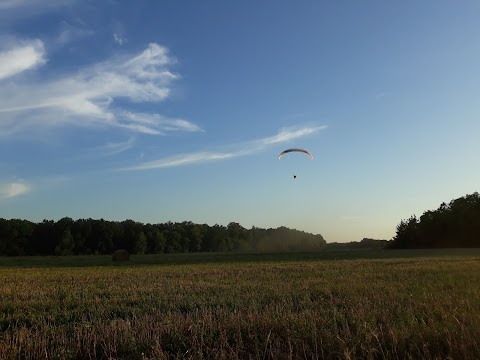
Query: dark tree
[89, 236]
[456, 224]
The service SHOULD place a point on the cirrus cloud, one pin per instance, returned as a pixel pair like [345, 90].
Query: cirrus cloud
[92, 96]
[242, 149]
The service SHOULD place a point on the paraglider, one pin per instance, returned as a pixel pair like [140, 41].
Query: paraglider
[295, 150]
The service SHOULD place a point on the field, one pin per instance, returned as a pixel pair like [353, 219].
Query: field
[329, 305]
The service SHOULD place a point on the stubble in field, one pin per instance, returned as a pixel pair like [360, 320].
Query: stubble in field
[384, 308]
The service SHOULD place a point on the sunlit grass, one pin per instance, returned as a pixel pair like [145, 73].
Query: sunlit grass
[426, 307]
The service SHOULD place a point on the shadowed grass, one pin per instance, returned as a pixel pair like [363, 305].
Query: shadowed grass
[228, 257]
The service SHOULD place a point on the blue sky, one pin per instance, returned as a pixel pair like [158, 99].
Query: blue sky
[176, 111]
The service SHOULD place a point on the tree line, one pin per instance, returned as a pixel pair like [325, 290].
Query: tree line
[89, 236]
[452, 225]
[364, 244]
[456, 224]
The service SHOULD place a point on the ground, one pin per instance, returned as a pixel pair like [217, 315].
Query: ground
[342, 304]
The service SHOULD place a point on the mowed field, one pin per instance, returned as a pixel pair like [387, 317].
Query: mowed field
[329, 305]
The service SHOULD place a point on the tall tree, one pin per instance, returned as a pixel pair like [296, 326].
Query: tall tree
[140, 243]
[65, 244]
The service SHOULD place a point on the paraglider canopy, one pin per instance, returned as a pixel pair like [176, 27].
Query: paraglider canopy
[295, 150]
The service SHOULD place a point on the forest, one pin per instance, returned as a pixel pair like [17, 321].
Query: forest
[452, 225]
[89, 236]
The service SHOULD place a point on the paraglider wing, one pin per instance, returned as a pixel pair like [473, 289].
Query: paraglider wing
[295, 150]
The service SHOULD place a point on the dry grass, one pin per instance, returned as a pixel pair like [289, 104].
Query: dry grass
[418, 308]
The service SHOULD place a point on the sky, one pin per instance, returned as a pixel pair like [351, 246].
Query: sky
[161, 111]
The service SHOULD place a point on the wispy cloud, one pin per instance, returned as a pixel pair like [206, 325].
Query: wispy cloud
[185, 159]
[118, 147]
[88, 97]
[69, 33]
[243, 149]
[22, 56]
[110, 148]
[288, 134]
[120, 40]
[13, 189]
[158, 124]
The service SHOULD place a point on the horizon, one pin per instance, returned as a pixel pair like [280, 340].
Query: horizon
[180, 222]
[159, 112]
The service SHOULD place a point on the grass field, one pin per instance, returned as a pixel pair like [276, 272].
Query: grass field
[329, 305]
